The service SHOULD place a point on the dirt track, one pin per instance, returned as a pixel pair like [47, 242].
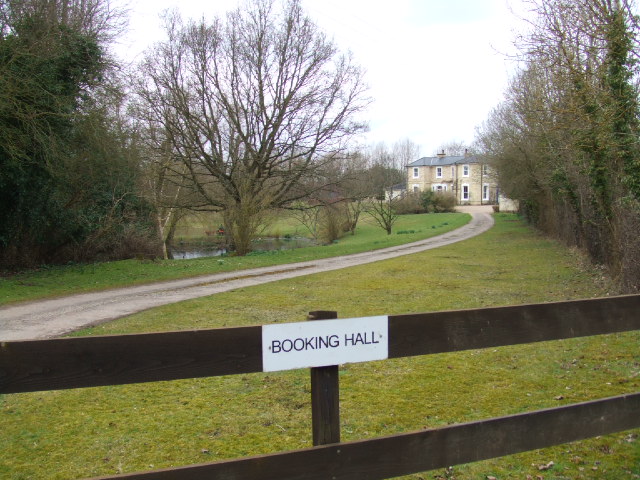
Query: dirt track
[50, 318]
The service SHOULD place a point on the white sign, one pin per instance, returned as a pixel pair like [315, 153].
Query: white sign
[319, 343]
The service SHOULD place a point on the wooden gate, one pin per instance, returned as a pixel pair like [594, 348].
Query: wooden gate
[36, 365]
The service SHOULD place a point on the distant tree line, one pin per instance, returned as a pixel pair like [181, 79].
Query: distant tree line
[566, 140]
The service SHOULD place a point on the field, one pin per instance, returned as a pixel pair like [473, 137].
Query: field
[51, 281]
[98, 431]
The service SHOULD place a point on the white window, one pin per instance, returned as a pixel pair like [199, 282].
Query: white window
[465, 170]
[416, 172]
[438, 172]
[416, 189]
[465, 192]
[439, 187]
[453, 172]
[485, 169]
[485, 192]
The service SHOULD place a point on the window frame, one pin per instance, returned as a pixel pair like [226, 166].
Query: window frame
[465, 192]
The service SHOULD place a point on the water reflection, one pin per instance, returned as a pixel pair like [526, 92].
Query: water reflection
[186, 251]
[268, 244]
[182, 253]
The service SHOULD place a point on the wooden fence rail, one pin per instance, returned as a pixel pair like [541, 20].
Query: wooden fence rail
[414, 452]
[35, 365]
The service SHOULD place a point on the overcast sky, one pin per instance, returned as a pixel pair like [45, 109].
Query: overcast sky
[435, 68]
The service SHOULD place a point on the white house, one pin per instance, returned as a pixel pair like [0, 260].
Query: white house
[470, 180]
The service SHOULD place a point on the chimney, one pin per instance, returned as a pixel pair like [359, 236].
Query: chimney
[441, 154]
[466, 152]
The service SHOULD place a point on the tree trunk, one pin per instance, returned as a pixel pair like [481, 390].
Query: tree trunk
[241, 222]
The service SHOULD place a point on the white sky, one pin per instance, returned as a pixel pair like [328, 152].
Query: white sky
[435, 68]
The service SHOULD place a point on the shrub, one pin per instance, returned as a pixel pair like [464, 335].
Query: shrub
[332, 220]
[438, 202]
[443, 202]
[410, 203]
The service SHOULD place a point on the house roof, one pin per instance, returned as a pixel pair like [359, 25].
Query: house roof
[441, 161]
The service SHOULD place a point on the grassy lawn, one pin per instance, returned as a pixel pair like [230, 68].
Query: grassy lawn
[86, 432]
[283, 222]
[55, 281]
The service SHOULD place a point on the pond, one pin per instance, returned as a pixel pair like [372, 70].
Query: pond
[187, 251]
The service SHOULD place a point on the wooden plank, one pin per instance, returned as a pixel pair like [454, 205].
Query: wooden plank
[34, 365]
[110, 360]
[438, 332]
[325, 396]
[408, 453]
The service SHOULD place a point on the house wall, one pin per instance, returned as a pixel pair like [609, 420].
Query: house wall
[508, 205]
[456, 179]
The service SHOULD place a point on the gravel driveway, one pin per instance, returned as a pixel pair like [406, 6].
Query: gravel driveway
[54, 317]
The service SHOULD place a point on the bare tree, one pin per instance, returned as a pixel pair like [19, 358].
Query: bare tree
[309, 217]
[384, 171]
[404, 152]
[253, 104]
[453, 147]
[383, 177]
[356, 187]
[166, 188]
[382, 210]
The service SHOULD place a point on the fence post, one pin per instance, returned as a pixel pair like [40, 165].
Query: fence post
[325, 396]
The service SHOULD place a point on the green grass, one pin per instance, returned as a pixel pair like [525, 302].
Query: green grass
[278, 224]
[86, 432]
[54, 281]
